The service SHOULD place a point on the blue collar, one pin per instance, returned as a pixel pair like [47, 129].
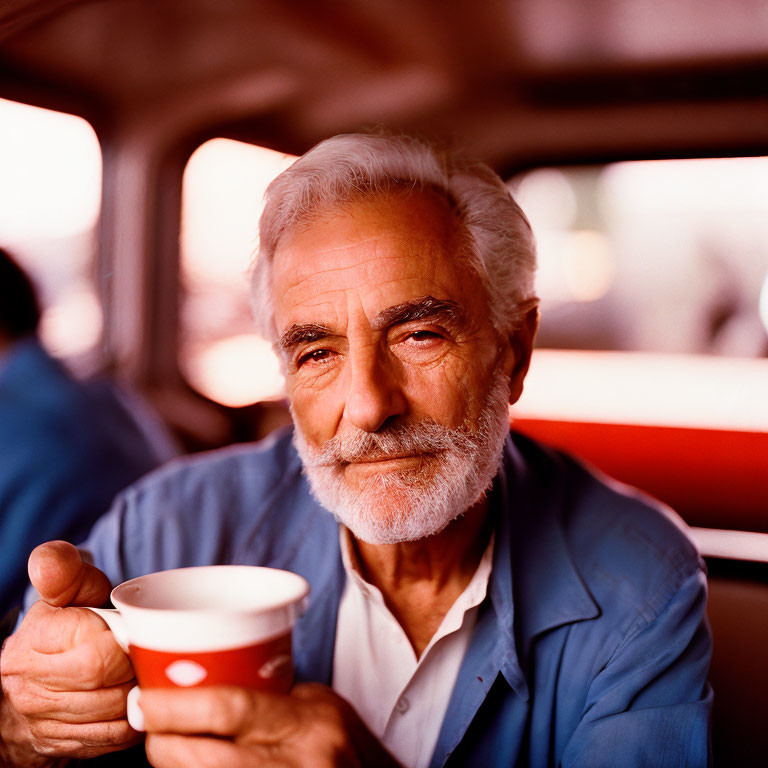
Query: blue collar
[535, 585]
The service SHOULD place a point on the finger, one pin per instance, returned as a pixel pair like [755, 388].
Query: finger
[222, 711]
[52, 630]
[172, 751]
[60, 576]
[83, 741]
[75, 707]
[65, 649]
[98, 663]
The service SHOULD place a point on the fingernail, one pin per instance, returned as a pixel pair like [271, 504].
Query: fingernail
[135, 715]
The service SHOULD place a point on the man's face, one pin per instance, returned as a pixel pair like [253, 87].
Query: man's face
[391, 362]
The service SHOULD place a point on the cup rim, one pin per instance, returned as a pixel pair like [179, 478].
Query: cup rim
[299, 598]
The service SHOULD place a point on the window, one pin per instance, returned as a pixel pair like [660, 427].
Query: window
[667, 260]
[50, 165]
[222, 198]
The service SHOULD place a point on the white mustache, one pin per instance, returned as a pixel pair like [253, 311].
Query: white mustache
[425, 437]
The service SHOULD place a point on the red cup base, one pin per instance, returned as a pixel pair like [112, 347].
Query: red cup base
[264, 666]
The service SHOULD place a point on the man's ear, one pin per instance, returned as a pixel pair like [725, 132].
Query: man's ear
[521, 343]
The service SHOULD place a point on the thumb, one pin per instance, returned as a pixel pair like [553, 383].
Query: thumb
[61, 577]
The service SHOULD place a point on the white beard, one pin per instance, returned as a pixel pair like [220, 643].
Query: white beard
[458, 467]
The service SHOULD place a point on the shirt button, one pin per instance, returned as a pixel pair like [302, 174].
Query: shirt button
[402, 705]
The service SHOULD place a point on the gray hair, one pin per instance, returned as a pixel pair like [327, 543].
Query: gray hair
[499, 242]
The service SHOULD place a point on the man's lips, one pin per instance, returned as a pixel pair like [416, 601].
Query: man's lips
[373, 464]
[386, 457]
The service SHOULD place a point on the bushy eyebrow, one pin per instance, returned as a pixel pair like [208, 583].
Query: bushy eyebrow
[302, 334]
[425, 308]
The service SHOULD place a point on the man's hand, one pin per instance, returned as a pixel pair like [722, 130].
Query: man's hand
[64, 678]
[311, 727]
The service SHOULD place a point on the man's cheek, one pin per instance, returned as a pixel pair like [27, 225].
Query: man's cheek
[446, 392]
[313, 416]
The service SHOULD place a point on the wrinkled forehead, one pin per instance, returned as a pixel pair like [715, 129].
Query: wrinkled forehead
[423, 218]
[413, 224]
[392, 247]
[398, 208]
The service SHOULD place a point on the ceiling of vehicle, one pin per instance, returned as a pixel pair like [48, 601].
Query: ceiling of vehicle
[515, 81]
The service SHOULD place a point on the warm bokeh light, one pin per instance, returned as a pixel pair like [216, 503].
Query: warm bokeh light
[224, 185]
[236, 370]
[48, 164]
[640, 388]
[223, 195]
[574, 266]
[588, 265]
[50, 198]
[548, 199]
[72, 325]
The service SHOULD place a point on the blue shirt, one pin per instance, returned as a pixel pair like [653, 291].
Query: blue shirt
[66, 448]
[591, 648]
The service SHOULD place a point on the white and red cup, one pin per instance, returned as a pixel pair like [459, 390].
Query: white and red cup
[210, 625]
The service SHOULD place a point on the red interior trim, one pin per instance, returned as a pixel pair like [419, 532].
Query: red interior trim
[713, 478]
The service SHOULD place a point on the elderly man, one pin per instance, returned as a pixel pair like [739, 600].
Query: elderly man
[478, 600]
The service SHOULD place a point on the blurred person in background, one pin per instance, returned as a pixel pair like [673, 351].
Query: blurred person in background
[66, 446]
[477, 599]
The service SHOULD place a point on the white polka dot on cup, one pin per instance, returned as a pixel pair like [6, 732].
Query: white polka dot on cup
[186, 673]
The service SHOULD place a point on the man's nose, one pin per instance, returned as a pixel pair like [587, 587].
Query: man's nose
[374, 394]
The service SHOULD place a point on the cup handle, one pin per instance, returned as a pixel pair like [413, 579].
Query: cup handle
[116, 623]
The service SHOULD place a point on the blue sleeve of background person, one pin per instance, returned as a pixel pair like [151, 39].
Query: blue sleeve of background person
[52, 486]
[46, 492]
[648, 706]
[66, 449]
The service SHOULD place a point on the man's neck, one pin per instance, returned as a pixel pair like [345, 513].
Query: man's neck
[420, 580]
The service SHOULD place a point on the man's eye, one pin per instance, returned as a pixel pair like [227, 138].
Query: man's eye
[315, 356]
[423, 335]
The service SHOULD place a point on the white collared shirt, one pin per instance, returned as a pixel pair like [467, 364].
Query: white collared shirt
[400, 698]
